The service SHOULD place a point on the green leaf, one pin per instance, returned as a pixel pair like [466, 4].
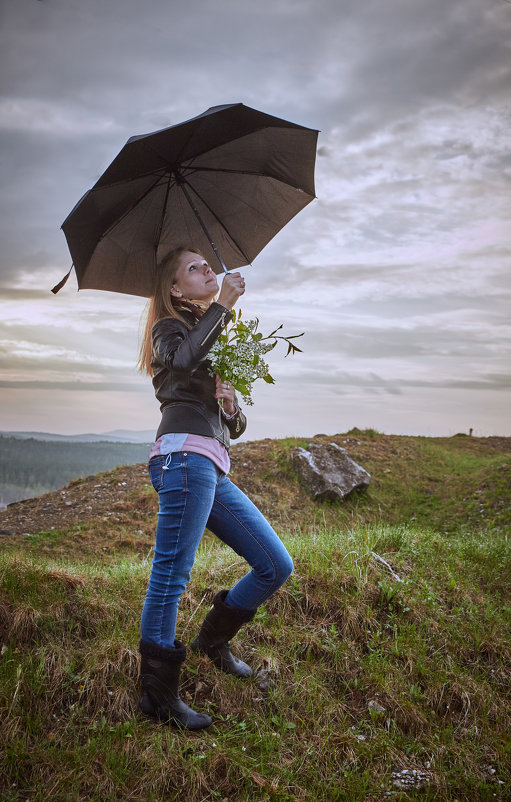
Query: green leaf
[275, 331]
[269, 379]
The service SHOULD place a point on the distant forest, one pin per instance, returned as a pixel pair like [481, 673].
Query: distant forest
[31, 467]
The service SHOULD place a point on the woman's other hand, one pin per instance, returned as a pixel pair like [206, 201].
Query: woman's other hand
[233, 286]
[225, 390]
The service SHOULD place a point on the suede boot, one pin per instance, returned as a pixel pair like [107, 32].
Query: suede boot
[159, 678]
[220, 625]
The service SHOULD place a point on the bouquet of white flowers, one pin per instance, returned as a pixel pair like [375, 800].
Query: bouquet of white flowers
[237, 355]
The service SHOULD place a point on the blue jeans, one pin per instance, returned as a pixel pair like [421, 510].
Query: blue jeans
[193, 493]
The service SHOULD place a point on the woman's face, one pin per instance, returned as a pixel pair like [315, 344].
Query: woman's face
[195, 281]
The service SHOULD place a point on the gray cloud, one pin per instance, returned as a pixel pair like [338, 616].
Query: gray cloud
[399, 273]
[339, 381]
[75, 386]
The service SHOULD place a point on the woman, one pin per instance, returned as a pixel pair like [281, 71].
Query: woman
[188, 465]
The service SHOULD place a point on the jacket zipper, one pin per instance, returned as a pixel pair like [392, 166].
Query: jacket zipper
[220, 322]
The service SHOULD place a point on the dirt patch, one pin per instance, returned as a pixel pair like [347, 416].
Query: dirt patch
[81, 500]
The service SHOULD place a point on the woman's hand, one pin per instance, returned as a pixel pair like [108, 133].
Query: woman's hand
[225, 390]
[233, 285]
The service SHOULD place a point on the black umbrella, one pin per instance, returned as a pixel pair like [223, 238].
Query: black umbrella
[226, 181]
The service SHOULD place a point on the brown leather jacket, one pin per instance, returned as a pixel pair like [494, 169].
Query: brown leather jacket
[181, 378]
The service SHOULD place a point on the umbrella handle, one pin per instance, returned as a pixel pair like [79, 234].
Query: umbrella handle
[199, 218]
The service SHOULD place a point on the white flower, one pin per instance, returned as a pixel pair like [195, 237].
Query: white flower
[237, 355]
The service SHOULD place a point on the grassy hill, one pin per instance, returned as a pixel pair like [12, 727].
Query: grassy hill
[366, 687]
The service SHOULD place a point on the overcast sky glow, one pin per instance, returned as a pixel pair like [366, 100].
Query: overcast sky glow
[399, 273]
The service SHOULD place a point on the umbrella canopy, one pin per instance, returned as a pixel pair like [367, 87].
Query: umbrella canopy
[226, 182]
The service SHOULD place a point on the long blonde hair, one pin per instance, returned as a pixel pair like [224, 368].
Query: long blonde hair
[160, 304]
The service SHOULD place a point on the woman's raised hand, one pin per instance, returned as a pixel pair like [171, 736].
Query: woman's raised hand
[233, 285]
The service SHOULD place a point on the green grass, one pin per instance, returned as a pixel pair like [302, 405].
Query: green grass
[449, 484]
[360, 676]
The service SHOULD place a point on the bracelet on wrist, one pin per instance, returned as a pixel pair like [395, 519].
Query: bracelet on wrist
[233, 414]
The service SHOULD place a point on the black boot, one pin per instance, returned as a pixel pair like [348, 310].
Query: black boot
[159, 677]
[220, 625]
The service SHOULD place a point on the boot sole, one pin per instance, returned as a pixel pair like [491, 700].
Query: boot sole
[155, 715]
[221, 664]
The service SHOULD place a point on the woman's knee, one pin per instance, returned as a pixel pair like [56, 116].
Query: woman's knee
[279, 570]
[286, 567]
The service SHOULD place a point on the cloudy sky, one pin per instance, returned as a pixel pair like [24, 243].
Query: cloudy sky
[399, 273]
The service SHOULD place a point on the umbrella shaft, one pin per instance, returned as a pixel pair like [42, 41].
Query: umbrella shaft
[199, 218]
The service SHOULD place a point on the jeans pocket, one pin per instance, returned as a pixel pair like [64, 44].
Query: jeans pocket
[155, 468]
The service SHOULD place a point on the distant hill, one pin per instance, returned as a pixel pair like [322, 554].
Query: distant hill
[32, 463]
[117, 436]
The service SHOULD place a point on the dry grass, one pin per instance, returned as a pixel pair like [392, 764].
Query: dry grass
[358, 678]
[366, 688]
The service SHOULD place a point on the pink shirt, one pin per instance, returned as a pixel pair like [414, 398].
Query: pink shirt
[196, 444]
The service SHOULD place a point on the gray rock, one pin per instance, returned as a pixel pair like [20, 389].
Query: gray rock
[376, 707]
[327, 472]
[410, 778]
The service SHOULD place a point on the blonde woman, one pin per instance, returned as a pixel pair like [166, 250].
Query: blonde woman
[188, 466]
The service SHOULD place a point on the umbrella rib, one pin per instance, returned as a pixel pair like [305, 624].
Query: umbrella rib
[130, 208]
[258, 210]
[162, 216]
[224, 170]
[221, 224]
[244, 172]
